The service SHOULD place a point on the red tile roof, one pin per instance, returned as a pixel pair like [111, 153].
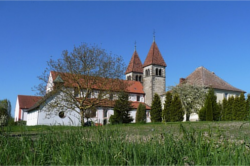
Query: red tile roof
[202, 76]
[135, 64]
[25, 102]
[115, 85]
[135, 104]
[111, 103]
[154, 57]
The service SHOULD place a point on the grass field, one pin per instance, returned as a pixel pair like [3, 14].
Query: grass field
[195, 143]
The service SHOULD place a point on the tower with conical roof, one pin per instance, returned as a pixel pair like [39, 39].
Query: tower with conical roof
[134, 70]
[154, 75]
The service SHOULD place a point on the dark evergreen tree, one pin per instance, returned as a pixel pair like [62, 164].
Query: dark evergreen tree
[156, 110]
[209, 110]
[177, 111]
[220, 110]
[141, 114]
[166, 116]
[224, 110]
[202, 114]
[121, 110]
[230, 103]
[236, 109]
[248, 107]
[242, 107]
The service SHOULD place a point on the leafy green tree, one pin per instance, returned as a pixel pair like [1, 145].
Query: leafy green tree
[122, 108]
[141, 114]
[177, 111]
[192, 97]
[156, 110]
[5, 111]
[166, 113]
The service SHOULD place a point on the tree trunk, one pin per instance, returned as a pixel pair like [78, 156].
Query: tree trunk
[187, 116]
[82, 116]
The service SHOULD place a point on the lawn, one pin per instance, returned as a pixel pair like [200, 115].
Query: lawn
[194, 143]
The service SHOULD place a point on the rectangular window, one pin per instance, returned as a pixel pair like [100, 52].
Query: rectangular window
[76, 92]
[225, 95]
[138, 98]
[111, 96]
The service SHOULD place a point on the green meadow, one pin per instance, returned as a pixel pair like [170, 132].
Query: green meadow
[186, 143]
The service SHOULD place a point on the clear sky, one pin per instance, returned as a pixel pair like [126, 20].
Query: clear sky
[189, 34]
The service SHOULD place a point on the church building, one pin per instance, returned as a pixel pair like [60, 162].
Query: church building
[145, 80]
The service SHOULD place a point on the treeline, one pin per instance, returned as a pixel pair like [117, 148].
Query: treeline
[233, 108]
[172, 111]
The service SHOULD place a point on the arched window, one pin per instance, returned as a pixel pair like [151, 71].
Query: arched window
[140, 78]
[128, 77]
[156, 71]
[136, 78]
[146, 71]
[159, 72]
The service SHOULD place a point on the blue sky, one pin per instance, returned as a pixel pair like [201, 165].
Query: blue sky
[189, 34]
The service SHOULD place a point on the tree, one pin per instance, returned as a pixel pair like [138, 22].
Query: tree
[230, 108]
[242, 107]
[236, 109]
[224, 110]
[121, 110]
[166, 113]
[84, 78]
[210, 110]
[156, 110]
[177, 112]
[248, 106]
[192, 97]
[141, 114]
[5, 111]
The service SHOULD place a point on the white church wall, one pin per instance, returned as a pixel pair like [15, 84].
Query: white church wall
[32, 118]
[221, 94]
[16, 110]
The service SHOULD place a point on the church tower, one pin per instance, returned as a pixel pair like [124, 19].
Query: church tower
[134, 70]
[154, 75]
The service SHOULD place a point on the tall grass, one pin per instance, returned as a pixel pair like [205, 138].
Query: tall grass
[113, 146]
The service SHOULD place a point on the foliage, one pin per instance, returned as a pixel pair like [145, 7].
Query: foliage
[177, 112]
[230, 105]
[202, 114]
[156, 110]
[121, 110]
[210, 110]
[248, 106]
[141, 114]
[5, 111]
[192, 97]
[166, 113]
[82, 71]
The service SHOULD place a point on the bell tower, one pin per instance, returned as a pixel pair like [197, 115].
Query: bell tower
[134, 70]
[154, 74]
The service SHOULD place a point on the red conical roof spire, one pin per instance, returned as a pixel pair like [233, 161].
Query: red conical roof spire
[154, 57]
[135, 64]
